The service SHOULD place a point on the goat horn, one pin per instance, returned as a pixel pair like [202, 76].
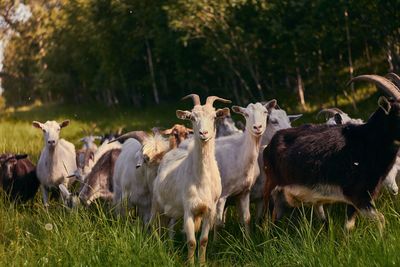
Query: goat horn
[394, 78]
[196, 99]
[381, 82]
[138, 135]
[210, 100]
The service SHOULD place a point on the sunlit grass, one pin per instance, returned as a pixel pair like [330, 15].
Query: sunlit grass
[33, 236]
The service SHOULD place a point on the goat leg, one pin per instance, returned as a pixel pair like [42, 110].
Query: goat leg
[45, 193]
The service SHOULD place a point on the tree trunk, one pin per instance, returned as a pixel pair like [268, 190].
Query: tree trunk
[367, 53]
[320, 68]
[151, 69]
[300, 88]
[351, 70]
[235, 92]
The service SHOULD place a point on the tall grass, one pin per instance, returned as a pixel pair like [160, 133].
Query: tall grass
[33, 236]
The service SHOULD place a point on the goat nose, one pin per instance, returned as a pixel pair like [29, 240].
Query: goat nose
[51, 142]
[203, 132]
[257, 127]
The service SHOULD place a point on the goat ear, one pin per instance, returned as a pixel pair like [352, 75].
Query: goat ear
[292, 118]
[222, 112]
[184, 114]
[190, 131]
[384, 104]
[271, 104]
[37, 124]
[338, 119]
[167, 131]
[64, 124]
[91, 156]
[21, 156]
[239, 110]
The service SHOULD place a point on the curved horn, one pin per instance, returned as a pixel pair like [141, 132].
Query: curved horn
[138, 135]
[394, 78]
[338, 110]
[196, 99]
[381, 82]
[210, 100]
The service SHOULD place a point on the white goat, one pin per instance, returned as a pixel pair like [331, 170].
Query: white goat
[277, 120]
[188, 184]
[237, 162]
[57, 159]
[226, 126]
[336, 116]
[133, 178]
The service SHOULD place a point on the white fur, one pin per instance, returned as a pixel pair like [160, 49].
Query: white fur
[133, 176]
[345, 119]
[188, 184]
[126, 174]
[277, 120]
[237, 161]
[56, 162]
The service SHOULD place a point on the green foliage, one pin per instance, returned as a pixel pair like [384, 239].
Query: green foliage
[134, 52]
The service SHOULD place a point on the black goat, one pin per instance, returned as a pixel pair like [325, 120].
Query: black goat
[18, 177]
[320, 164]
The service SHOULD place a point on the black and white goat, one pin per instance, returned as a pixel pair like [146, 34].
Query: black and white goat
[319, 164]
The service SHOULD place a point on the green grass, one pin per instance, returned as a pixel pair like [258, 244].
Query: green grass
[33, 236]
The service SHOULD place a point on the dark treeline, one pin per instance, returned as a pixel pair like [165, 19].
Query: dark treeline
[143, 52]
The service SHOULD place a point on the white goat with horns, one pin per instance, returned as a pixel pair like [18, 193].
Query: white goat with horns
[57, 160]
[188, 184]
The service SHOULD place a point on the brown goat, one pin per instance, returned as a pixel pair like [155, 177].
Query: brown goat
[177, 134]
[99, 181]
[18, 177]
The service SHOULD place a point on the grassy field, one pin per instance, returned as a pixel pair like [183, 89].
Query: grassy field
[32, 236]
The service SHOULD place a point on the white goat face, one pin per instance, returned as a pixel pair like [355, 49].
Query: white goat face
[256, 117]
[278, 119]
[203, 120]
[51, 131]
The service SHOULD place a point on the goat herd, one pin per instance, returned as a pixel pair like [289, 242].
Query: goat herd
[193, 175]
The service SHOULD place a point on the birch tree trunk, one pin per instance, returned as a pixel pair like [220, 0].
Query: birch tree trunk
[151, 69]
[300, 88]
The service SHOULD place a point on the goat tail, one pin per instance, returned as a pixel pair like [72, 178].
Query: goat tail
[197, 223]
